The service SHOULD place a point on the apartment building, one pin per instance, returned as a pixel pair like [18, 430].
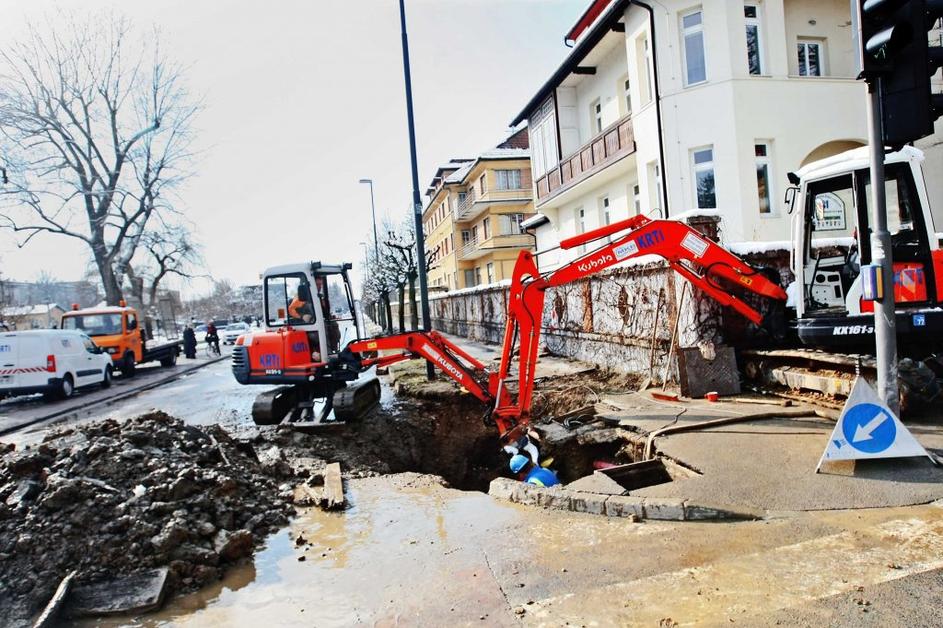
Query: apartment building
[472, 220]
[677, 105]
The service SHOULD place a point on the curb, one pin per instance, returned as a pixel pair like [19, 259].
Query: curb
[626, 506]
[110, 400]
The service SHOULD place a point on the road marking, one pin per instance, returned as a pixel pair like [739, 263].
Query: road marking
[741, 586]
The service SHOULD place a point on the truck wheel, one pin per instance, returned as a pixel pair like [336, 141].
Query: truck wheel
[66, 387]
[169, 360]
[106, 382]
[127, 365]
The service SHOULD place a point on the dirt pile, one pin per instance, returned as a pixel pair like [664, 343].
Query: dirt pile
[111, 497]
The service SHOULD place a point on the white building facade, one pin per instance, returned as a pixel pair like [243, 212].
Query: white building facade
[685, 105]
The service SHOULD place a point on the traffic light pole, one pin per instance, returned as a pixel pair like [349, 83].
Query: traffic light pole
[885, 319]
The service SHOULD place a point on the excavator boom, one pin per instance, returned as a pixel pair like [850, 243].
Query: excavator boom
[694, 257]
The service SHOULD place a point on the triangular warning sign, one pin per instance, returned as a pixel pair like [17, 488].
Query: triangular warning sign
[868, 429]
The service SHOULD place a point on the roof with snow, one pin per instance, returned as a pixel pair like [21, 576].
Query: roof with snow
[854, 159]
[595, 29]
[31, 310]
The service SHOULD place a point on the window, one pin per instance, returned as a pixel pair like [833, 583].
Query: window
[637, 199]
[481, 183]
[474, 234]
[477, 275]
[288, 300]
[655, 190]
[469, 278]
[466, 236]
[508, 179]
[543, 139]
[810, 57]
[94, 324]
[511, 224]
[627, 95]
[643, 60]
[461, 198]
[695, 66]
[486, 227]
[596, 116]
[490, 270]
[751, 14]
[764, 191]
[605, 214]
[704, 188]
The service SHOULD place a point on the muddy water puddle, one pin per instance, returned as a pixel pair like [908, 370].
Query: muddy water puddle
[405, 549]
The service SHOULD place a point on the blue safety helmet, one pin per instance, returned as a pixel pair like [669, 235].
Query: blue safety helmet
[518, 462]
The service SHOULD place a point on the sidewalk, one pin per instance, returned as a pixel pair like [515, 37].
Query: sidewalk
[762, 466]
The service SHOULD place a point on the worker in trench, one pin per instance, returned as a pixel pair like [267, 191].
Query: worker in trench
[529, 472]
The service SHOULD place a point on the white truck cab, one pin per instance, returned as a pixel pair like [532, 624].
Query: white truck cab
[831, 203]
[54, 362]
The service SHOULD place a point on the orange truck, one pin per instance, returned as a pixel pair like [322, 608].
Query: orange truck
[118, 331]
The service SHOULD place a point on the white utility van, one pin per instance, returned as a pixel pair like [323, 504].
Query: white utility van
[50, 361]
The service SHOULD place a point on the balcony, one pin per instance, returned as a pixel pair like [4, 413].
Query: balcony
[472, 205]
[614, 143]
[475, 249]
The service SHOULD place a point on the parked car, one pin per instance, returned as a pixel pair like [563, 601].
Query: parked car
[229, 335]
[54, 362]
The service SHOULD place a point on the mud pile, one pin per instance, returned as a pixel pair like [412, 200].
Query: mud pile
[111, 497]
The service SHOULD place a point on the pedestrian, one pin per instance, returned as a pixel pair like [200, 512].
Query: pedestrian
[189, 342]
[530, 473]
[212, 336]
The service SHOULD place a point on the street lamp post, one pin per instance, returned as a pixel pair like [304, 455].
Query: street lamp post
[378, 311]
[417, 203]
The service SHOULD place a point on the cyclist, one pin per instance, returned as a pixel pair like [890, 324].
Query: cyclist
[212, 337]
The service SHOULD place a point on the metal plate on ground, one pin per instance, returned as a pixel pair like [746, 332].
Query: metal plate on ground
[700, 376]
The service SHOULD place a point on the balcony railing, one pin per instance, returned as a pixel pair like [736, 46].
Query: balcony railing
[614, 143]
[473, 204]
[479, 248]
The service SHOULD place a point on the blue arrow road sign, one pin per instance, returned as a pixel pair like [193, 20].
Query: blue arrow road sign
[869, 428]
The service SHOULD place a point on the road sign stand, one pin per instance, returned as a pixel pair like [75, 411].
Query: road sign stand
[867, 429]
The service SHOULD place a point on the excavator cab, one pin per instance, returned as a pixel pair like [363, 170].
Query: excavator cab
[315, 299]
[310, 318]
[832, 242]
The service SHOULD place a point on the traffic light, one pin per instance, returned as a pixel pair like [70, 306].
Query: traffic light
[892, 44]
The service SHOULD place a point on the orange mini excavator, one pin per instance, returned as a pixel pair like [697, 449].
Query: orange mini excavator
[314, 348]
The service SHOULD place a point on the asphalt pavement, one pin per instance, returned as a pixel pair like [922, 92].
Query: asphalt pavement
[32, 412]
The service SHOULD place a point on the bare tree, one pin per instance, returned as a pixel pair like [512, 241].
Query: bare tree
[165, 252]
[403, 264]
[96, 133]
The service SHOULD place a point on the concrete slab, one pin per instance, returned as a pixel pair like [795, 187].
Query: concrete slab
[770, 465]
[135, 593]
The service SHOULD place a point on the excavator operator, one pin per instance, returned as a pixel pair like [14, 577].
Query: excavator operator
[300, 310]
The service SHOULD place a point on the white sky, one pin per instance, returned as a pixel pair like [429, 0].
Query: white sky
[305, 97]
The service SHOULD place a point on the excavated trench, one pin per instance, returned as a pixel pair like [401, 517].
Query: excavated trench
[434, 428]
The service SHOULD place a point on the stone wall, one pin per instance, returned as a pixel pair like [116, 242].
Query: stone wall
[622, 319]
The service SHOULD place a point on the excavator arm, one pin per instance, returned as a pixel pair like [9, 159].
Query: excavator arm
[694, 257]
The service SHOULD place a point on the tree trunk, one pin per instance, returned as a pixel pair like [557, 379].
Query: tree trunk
[402, 308]
[110, 284]
[387, 313]
[413, 310]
